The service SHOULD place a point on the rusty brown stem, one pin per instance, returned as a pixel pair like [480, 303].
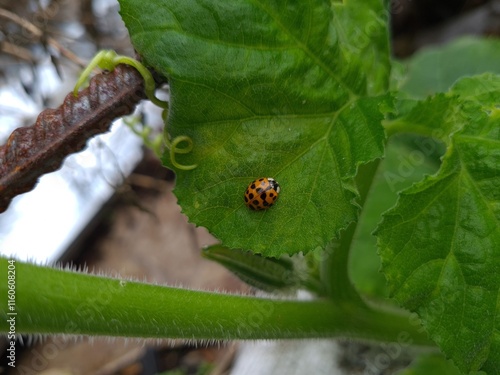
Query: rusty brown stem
[33, 151]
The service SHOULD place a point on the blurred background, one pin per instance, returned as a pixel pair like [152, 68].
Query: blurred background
[111, 209]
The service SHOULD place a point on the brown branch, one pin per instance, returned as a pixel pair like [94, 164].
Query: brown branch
[35, 150]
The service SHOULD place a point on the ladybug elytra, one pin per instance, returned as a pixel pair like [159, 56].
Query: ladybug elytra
[262, 193]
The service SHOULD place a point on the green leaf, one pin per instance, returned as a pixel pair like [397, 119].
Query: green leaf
[269, 89]
[440, 245]
[407, 159]
[267, 274]
[430, 364]
[436, 69]
[437, 117]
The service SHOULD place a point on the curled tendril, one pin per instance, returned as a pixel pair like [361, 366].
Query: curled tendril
[109, 59]
[172, 147]
[155, 143]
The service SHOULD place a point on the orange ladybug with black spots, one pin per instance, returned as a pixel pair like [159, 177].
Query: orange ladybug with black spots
[262, 193]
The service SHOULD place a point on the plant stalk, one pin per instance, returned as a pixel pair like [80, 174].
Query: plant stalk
[335, 261]
[73, 303]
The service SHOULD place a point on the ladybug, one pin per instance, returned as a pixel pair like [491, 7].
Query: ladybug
[262, 193]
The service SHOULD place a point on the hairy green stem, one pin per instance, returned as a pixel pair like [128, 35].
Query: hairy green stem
[75, 303]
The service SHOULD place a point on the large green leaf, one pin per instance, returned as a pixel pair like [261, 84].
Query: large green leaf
[269, 88]
[406, 161]
[440, 246]
[430, 364]
[436, 69]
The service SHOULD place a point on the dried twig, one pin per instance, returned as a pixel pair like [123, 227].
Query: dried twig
[38, 33]
[17, 51]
